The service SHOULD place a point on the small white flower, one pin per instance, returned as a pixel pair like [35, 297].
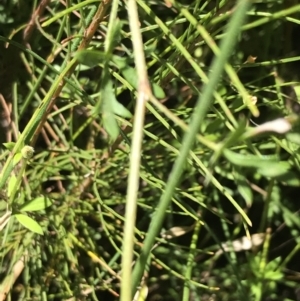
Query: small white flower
[279, 126]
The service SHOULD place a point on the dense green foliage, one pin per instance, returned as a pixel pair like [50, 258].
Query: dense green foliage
[227, 120]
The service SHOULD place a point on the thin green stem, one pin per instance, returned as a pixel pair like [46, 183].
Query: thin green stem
[144, 91]
[202, 106]
[190, 263]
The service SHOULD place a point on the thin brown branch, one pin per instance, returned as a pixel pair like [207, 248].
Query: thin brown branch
[28, 31]
[98, 18]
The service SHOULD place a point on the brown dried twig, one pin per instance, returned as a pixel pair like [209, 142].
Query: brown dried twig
[98, 18]
[28, 31]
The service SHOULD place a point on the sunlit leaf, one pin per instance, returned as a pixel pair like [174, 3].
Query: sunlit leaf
[29, 223]
[11, 184]
[293, 137]
[36, 204]
[273, 275]
[274, 170]
[17, 158]
[9, 145]
[141, 294]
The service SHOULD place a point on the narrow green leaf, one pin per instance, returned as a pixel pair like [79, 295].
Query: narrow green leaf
[274, 170]
[29, 223]
[267, 166]
[249, 160]
[36, 204]
[110, 106]
[130, 75]
[290, 218]
[119, 109]
[107, 99]
[110, 124]
[243, 187]
[158, 91]
[273, 275]
[289, 179]
[113, 35]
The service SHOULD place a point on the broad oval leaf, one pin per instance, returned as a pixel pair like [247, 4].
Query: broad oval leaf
[91, 58]
[29, 223]
[36, 204]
